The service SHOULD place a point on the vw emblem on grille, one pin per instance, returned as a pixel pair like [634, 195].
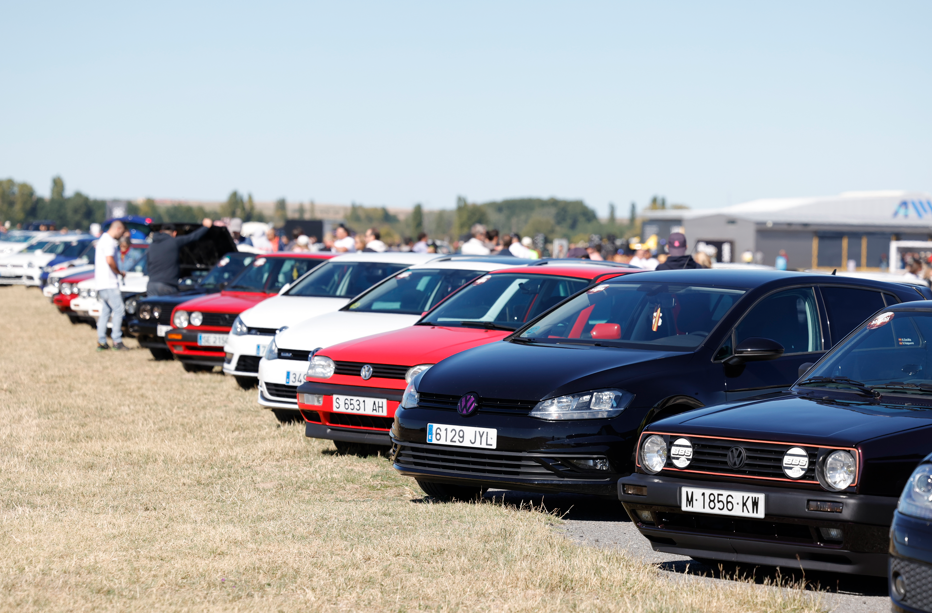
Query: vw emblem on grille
[737, 456]
[365, 372]
[468, 404]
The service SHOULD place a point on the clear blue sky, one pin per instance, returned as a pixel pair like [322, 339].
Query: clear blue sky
[393, 103]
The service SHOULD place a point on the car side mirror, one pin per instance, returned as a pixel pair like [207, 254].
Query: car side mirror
[804, 368]
[755, 350]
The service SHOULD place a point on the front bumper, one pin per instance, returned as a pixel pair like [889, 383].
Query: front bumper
[278, 383]
[184, 344]
[911, 560]
[530, 455]
[323, 422]
[12, 276]
[787, 536]
[243, 354]
[147, 333]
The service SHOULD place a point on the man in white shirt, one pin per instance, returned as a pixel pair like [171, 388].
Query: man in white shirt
[374, 241]
[107, 282]
[344, 243]
[476, 245]
[421, 245]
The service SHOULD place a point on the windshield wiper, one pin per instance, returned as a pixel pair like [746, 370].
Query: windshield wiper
[861, 387]
[243, 288]
[488, 325]
[525, 340]
[899, 385]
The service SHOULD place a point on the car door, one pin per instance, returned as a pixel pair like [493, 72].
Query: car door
[790, 317]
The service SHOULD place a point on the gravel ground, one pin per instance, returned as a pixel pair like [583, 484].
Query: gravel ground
[603, 523]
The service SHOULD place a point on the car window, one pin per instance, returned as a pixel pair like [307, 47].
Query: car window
[504, 299]
[290, 271]
[789, 317]
[226, 270]
[343, 279]
[413, 291]
[846, 307]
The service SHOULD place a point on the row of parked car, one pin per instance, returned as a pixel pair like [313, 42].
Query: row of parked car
[754, 416]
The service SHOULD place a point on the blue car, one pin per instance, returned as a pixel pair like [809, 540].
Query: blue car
[81, 249]
[911, 544]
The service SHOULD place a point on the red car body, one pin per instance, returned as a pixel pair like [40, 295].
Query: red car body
[63, 301]
[391, 354]
[220, 311]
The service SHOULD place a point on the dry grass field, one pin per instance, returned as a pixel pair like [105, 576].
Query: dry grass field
[128, 484]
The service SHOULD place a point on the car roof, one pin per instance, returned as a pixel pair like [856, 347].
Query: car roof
[407, 258]
[749, 279]
[291, 254]
[62, 238]
[581, 269]
[487, 265]
[916, 305]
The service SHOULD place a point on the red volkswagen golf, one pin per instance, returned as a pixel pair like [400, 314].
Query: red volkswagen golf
[201, 325]
[352, 389]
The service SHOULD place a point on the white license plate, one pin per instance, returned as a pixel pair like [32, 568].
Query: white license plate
[722, 502]
[462, 436]
[294, 378]
[162, 330]
[260, 350]
[212, 340]
[362, 406]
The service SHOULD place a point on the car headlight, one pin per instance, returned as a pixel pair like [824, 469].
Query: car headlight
[916, 500]
[180, 319]
[597, 404]
[83, 293]
[321, 367]
[65, 288]
[239, 328]
[156, 312]
[92, 293]
[838, 470]
[196, 318]
[415, 371]
[271, 352]
[145, 311]
[654, 454]
[410, 398]
[131, 305]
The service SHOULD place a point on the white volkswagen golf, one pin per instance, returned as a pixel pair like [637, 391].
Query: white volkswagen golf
[396, 303]
[322, 290]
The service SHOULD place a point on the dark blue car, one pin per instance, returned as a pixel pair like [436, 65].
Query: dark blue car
[911, 544]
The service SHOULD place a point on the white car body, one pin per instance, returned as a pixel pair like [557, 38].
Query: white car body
[54, 281]
[87, 302]
[264, 319]
[340, 327]
[25, 267]
[8, 247]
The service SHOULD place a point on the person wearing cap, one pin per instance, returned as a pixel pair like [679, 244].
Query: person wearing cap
[236, 231]
[163, 258]
[678, 259]
[528, 244]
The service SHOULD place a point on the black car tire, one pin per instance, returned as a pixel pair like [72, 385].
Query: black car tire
[196, 367]
[287, 416]
[74, 319]
[247, 383]
[448, 493]
[161, 354]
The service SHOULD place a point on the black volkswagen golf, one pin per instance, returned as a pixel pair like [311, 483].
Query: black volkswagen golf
[911, 544]
[559, 404]
[808, 480]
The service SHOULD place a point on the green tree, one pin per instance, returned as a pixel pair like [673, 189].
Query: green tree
[467, 215]
[281, 211]
[7, 197]
[58, 189]
[539, 225]
[249, 210]
[417, 220]
[233, 207]
[24, 202]
[149, 210]
[611, 214]
[632, 215]
[300, 210]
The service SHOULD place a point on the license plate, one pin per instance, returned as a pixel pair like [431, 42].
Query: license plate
[212, 340]
[162, 330]
[462, 436]
[722, 502]
[260, 350]
[362, 406]
[294, 378]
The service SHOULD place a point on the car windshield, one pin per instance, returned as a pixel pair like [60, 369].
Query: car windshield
[67, 249]
[887, 355]
[38, 246]
[271, 274]
[503, 301]
[343, 279]
[646, 315]
[225, 271]
[13, 237]
[413, 292]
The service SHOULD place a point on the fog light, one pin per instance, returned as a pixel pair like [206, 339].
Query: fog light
[899, 586]
[645, 517]
[593, 464]
[313, 399]
[825, 506]
[227, 358]
[634, 490]
[832, 534]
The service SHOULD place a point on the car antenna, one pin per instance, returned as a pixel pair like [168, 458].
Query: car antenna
[834, 271]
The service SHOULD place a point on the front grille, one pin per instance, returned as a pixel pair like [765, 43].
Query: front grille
[738, 527]
[763, 459]
[361, 421]
[288, 393]
[488, 405]
[381, 371]
[310, 416]
[918, 578]
[221, 320]
[262, 331]
[294, 354]
[248, 363]
[472, 462]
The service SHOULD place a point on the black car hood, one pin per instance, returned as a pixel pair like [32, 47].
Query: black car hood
[176, 299]
[516, 371]
[793, 419]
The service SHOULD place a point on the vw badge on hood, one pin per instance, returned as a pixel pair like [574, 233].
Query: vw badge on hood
[366, 372]
[468, 404]
[795, 463]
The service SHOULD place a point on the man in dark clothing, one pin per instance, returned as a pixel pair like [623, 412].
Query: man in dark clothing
[163, 258]
[677, 260]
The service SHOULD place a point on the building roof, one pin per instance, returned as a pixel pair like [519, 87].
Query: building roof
[877, 208]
